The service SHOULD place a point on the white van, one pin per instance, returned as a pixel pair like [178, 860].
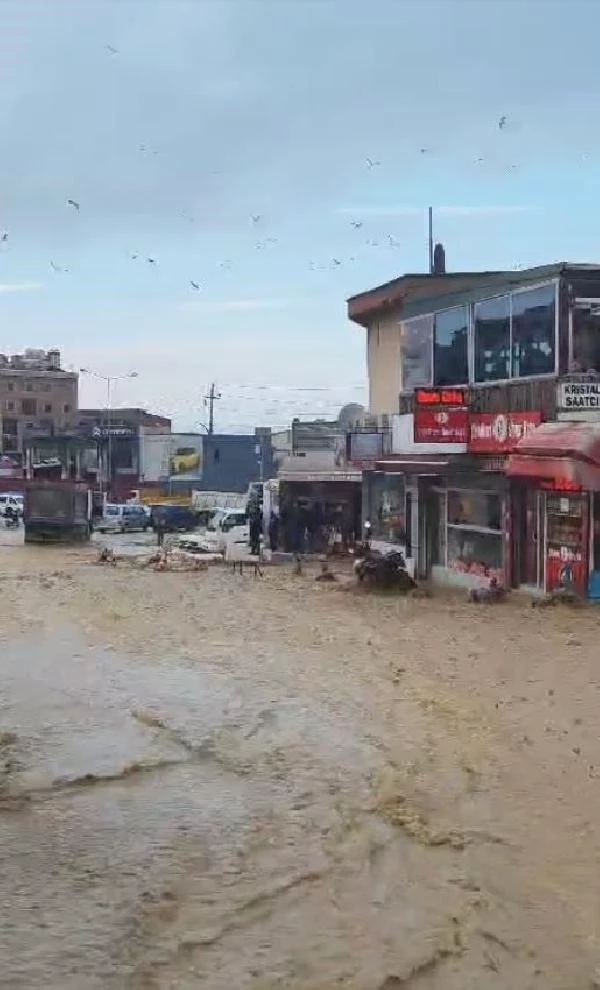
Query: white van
[227, 526]
[123, 519]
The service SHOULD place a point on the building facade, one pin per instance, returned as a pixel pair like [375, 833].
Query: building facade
[36, 396]
[185, 462]
[100, 447]
[493, 463]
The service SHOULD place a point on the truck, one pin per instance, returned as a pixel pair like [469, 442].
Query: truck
[208, 501]
[57, 512]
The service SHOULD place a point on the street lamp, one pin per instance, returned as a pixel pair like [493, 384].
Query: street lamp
[109, 379]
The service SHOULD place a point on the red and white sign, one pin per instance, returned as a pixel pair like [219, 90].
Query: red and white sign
[493, 433]
[441, 425]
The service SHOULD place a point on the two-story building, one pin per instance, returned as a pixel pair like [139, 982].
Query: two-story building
[488, 385]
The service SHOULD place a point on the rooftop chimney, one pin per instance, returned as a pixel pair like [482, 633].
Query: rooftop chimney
[439, 260]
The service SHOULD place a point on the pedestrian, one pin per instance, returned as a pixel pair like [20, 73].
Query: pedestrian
[160, 529]
[255, 527]
[273, 531]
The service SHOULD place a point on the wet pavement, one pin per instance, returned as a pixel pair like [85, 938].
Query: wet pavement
[214, 780]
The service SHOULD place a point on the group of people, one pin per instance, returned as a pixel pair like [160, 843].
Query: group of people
[302, 528]
[308, 528]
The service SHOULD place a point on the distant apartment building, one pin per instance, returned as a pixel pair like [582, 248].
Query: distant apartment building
[36, 395]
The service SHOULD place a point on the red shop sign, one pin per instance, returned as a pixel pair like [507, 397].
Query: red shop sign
[440, 397]
[492, 433]
[560, 485]
[441, 425]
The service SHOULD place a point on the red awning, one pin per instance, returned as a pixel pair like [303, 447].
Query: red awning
[567, 451]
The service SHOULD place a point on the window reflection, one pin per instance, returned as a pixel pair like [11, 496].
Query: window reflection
[533, 331]
[492, 339]
[451, 347]
[586, 338]
[417, 337]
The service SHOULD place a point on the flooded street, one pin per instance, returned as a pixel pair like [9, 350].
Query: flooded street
[223, 781]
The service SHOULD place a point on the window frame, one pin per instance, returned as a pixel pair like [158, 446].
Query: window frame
[511, 293]
[422, 316]
[576, 303]
[432, 314]
[481, 302]
[467, 307]
[531, 288]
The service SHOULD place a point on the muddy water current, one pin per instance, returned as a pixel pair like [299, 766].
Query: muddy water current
[258, 784]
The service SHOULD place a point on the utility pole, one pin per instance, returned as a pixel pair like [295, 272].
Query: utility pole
[210, 399]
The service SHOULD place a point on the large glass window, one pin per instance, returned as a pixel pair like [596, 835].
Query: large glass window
[586, 337]
[417, 341]
[492, 339]
[475, 537]
[451, 347]
[480, 509]
[533, 331]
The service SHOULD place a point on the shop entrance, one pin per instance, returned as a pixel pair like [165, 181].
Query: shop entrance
[528, 568]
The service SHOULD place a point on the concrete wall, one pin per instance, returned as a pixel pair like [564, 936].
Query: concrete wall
[384, 365]
[231, 462]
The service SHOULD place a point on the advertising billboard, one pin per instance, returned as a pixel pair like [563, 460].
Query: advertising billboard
[186, 457]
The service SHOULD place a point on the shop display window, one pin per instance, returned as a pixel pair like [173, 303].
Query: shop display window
[387, 501]
[475, 543]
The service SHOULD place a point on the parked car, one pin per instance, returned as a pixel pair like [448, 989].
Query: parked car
[173, 518]
[123, 519]
[12, 499]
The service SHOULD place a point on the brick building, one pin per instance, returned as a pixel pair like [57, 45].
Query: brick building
[36, 395]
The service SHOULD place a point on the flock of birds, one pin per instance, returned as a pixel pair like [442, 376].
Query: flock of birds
[256, 220]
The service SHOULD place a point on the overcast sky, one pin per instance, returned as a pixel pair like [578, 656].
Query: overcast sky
[174, 124]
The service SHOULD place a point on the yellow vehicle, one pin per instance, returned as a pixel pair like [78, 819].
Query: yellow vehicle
[184, 460]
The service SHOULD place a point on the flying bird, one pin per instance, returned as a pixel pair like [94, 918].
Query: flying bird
[151, 261]
[502, 123]
[478, 161]
[336, 262]
[372, 163]
[195, 285]
[424, 151]
[74, 204]
[357, 224]
[57, 268]
[4, 237]
[112, 50]
[256, 217]
[134, 257]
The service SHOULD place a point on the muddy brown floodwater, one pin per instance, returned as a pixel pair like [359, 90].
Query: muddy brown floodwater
[221, 781]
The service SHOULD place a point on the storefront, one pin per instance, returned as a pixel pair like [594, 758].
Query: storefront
[448, 517]
[556, 472]
[319, 511]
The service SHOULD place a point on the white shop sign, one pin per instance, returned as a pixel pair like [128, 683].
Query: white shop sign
[578, 396]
